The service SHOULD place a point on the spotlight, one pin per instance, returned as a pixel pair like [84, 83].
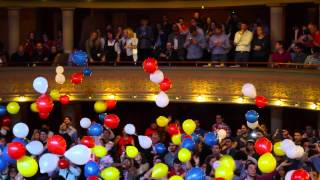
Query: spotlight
[111, 97]
[201, 98]
[278, 103]
[313, 106]
[22, 99]
[240, 100]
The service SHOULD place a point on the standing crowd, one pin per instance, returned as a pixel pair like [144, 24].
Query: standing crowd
[239, 144]
[195, 39]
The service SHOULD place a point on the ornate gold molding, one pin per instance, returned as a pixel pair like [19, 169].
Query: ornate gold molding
[115, 4]
[289, 88]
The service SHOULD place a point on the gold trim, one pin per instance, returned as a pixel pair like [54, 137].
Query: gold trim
[145, 4]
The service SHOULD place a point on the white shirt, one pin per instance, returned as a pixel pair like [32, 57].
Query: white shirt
[243, 40]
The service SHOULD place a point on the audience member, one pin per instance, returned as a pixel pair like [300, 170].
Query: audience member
[219, 45]
[260, 46]
[20, 55]
[195, 44]
[280, 55]
[145, 36]
[242, 41]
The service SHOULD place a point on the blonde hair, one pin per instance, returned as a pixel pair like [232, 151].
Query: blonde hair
[130, 32]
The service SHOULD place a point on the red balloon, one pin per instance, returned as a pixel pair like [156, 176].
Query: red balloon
[87, 141]
[76, 78]
[93, 178]
[173, 129]
[219, 178]
[111, 104]
[64, 99]
[57, 145]
[16, 150]
[63, 163]
[111, 121]
[300, 174]
[6, 121]
[43, 115]
[166, 84]
[261, 101]
[44, 103]
[263, 145]
[150, 65]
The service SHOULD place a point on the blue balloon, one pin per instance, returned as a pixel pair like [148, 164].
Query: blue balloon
[102, 116]
[3, 110]
[80, 58]
[21, 140]
[211, 139]
[95, 129]
[195, 174]
[91, 169]
[3, 163]
[252, 116]
[87, 72]
[160, 148]
[189, 144]
[6, 156]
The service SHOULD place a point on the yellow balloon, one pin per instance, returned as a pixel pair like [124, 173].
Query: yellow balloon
[162, 121]
[228, 162]
[184, 155]
[55, 94]
[159, 170]
[13, 108]
[175, 177]
[131, 151]
[176, 139]
[110, 173]
[27, 166]
[223, 172]
[267, 163]
[33, 107]
[99, 151]
[100, 106]
[277, 149]
[189, 126]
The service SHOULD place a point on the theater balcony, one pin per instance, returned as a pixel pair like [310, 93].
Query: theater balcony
[296, 88]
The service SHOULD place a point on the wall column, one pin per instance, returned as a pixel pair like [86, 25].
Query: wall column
[276, 118]
[13, 29]
[67, 29]
[277, 23]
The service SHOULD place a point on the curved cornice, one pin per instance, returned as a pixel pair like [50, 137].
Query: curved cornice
[167, 4]
[289, 88]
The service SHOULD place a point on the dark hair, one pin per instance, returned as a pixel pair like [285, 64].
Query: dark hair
[240, 156]
[299, 45]
[244, 22]
[280, 42]
[218, 26]
[176, 161]
[250, 163]
[192, 29]
[316, 49]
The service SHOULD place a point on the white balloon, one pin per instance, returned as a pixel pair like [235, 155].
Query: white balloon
[78, 154]
[162, 100]
[292, 152]
[222, 134]
[20, 130]
[145, 142]
[216, 164]
[85, 122]
[130, 129]
[157, 76]
[249, 90]
[252, 125]
[288, 175]
[287, 144]
[60, 78]
[40, 84]
[299, 152]
[59, 69]
[48, 163]
[35, 147]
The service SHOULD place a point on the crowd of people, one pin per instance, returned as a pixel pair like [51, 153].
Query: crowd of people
[195, 39]
[239, 144]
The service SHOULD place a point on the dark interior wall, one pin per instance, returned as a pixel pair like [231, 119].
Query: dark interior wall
[4, 25]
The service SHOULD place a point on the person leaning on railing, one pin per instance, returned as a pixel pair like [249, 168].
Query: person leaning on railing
[280, 55]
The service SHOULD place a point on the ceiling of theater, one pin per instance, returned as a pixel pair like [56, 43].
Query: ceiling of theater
[128, 4]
